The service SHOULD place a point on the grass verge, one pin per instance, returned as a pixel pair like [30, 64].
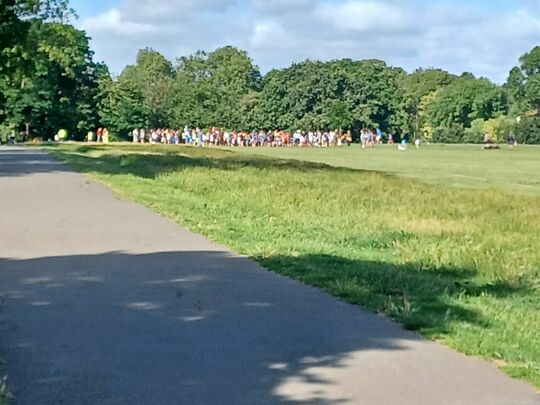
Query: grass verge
[459, 266]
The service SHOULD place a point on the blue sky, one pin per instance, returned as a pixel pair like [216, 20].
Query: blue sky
[480, 36]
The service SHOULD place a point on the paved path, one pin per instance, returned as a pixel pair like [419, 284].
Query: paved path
[108, 303]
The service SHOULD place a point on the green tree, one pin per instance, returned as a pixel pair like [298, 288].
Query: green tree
[151, 76]
[215, 89]
[338, 115]
[465, 100]
[52, 83]
[120, 106]
[523, 84]
[366, 93]
[140, 97]
[418, 87]
[48, 77]
[515, 88]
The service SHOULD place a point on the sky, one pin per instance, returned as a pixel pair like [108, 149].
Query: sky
[485, 37]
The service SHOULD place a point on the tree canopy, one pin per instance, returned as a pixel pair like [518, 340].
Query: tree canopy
[49, 79]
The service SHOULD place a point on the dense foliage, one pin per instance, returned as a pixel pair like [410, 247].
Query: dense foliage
[49, 81]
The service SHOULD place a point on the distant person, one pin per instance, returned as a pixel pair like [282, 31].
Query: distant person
[390, 139]
[11, 138]
[378, 136]
[511, 140]
[199, 133]
[403, 145]
[105, 135]
[488, 144]
[364, 138]
[135, 135]
[348, 138]
[417, 143]
[99, 135]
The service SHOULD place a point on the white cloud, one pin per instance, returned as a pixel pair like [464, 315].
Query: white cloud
[278, 32]
[363, 15]
[162, 11]
[114, 23]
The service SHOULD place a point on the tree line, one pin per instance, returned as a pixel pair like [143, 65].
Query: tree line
[49, 80]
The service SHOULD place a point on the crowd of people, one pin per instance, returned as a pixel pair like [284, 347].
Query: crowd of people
[217, 137]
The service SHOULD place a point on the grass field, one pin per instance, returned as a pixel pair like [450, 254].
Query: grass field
[516, 170]
[458, 265]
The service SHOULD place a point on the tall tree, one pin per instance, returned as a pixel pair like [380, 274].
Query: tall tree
[465, 100]
[309, 94]
[140, 97]
[418, 89]
[214, 89]
[49, 76]
[523, 84]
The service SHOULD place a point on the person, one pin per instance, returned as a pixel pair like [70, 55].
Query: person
[511, 140]
[378, 136]
[390, 139]
[403, 145]
[135, 135]
[199, 133]
[11, 137]
[90, 136]
[296, 138]
[488, 144]
[99, 135]
[417, 143]
[105, 135]
[365, 138]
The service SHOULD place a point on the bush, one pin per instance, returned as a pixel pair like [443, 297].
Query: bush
[453, 134]
[475, 134]
[497, 128]
[528, 130]
[6, 131]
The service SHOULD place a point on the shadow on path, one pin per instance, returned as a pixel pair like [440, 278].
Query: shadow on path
[182, 327]
[16, 162]
[205, 328]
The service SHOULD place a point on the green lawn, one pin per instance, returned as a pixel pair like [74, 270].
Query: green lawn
[516, 170]
[458, 265]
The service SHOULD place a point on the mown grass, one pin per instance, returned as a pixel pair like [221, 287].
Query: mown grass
[459, 266]
[468, 166]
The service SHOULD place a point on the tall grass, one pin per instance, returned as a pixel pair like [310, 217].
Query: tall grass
[459, 266]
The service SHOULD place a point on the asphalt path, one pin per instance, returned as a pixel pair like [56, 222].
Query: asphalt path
[106, 302]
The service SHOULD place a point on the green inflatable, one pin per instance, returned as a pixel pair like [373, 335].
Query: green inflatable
[63, 134]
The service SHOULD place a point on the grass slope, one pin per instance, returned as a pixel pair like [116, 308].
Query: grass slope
[460, 266]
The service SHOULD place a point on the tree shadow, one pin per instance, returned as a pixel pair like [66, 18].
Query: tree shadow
[17, 161]
[417, 296]
[211, 327]
[162, 159]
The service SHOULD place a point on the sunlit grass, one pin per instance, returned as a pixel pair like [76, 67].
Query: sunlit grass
[460, 266]
[515, 170]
